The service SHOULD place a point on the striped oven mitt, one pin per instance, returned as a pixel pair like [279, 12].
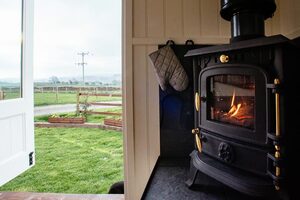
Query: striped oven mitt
[168, 69]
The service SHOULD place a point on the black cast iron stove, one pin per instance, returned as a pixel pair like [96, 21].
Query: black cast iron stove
[246, 105]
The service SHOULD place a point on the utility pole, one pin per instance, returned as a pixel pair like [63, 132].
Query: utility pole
[82, 63]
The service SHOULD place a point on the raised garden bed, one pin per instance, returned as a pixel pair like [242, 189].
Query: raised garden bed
[72, 120]
[113, 122]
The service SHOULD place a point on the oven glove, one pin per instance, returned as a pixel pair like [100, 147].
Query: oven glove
[168, 69]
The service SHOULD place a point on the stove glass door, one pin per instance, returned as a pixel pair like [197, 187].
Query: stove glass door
[232, 99]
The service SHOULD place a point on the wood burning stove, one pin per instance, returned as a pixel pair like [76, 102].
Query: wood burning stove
[244, 95]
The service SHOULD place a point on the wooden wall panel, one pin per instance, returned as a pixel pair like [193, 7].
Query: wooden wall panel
[290, 18]
[268, 27]
[224, 26]
[286, 15]
[127, 94]
[296, 17]
[153, 113]
[174, 18]
[139, 18]
[276, 21]
[209, 18]
[292, 5]
[140, 118]
[191, 18]
[155, 18]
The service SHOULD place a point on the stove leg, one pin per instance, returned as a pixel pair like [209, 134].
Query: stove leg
[192, 176]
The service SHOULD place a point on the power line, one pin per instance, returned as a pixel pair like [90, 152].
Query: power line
[82, 63]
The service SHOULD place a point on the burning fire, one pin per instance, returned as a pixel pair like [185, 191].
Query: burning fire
[237, 108]
[234, 109]
[239, 113]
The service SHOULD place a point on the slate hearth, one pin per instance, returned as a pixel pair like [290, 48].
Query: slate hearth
[167, 183]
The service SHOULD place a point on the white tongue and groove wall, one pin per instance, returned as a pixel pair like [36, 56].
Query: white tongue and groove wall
[148, 23]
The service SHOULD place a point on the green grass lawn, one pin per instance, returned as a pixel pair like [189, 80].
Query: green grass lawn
[72, 160]
[100, 118]
[49, 98]
[12, 95]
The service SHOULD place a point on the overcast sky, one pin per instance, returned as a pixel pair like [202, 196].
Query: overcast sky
[10, 39]
[62, 29]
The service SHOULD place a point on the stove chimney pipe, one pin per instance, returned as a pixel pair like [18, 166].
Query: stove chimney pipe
[247, 17]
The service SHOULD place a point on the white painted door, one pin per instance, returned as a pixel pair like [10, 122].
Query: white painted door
[16, 108]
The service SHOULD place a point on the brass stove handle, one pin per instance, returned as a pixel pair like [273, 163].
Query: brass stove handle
[197, 101]
[198, 143]
[277, 133]
[277, 109]
[196, 131]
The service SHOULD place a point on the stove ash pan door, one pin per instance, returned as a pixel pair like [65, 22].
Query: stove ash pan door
[233, 102]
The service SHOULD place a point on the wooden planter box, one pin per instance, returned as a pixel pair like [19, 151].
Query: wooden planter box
[72, 120]
[113, 122]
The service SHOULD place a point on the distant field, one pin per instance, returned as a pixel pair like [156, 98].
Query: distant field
[49, 98]
[12, 95]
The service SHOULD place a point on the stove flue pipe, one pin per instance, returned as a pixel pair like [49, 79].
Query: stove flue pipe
[247, 17]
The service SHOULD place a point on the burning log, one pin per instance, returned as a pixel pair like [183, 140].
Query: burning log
[240, 114]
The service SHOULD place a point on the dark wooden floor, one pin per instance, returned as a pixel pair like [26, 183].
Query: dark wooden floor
[53, 196]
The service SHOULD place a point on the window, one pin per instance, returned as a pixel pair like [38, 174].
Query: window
[10, 49]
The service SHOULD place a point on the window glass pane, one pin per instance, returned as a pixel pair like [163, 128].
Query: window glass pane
[232, 100]
[10, 48]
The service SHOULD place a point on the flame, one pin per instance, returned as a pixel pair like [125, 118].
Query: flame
[233, 98]
[234, 110]
[237, 110]
[240, 111]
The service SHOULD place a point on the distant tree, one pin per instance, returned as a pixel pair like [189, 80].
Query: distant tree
[116, 82]
[74, 81]
[54, 80]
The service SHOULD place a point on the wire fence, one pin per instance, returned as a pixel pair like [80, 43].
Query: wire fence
[59, 93]
[75, 89]
[81, 106]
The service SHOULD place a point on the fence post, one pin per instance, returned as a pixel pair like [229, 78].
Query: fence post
[77, 102]
[1, 95]
[56, 94]
[96, 92]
